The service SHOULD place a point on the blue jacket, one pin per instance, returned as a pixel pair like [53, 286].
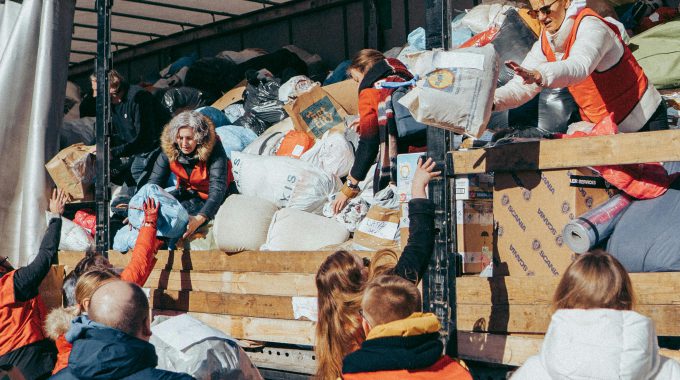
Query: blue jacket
[100, 352]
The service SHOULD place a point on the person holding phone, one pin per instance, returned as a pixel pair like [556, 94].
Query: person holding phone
[582, 51]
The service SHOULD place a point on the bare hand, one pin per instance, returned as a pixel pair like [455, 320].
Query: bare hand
[58, 201]
[354, 125]
[529, 76]
[339, 203]
[194, 223]
[424, 173]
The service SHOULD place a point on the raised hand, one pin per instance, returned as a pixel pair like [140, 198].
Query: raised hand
[58, 201]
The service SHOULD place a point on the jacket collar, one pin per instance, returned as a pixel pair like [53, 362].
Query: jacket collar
[411, 343]
[382, 70]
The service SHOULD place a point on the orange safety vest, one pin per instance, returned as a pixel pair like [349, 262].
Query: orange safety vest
[21, 323]
[444, 368]
[616, 90]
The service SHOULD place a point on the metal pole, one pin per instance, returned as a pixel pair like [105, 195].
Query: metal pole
[439, 285]
[103, 126]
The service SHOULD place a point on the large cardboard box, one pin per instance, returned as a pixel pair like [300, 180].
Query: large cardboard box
[73, 169]
[474, 186]
[474, 226]
[531, 209]
[346, 93]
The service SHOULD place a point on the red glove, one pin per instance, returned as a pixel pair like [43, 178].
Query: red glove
[151, 209]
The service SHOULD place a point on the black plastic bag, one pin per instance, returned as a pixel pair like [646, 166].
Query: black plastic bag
[513, 41]
[262, 105]
[213, 76]
[180, 99]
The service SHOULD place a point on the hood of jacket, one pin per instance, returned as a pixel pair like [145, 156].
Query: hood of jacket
[407, 344]
[203, 150]
[100, 352]
[600, 343]
[58, 321]
[389, 67]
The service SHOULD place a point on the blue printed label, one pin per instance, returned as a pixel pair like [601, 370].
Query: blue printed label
[321, 116]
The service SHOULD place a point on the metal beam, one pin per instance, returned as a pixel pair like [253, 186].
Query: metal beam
[250, 20]
[145, 18]
[83, 52]
[124, 44]
[136, 32]
[265, 2]
[103, 124]
[184, 8]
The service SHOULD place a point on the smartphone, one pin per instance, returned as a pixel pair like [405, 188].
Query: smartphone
[513, 65]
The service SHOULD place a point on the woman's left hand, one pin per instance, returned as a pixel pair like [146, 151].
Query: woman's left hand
[194, 223]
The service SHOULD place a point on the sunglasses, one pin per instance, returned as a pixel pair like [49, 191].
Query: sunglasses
[546, 10]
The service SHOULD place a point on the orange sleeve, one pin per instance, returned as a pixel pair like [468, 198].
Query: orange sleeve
[143, 260]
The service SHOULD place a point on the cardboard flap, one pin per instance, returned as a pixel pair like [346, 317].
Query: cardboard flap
[316, 112]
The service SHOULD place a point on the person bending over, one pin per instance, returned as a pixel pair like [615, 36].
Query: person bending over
[402, 342]
[194, 154]
[341, 279]
[23, 343]
[114, 343]
[594, 332]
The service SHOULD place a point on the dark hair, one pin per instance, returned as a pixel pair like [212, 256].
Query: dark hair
[92, 260]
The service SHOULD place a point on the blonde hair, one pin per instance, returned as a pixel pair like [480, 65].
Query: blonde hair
[365, 59]
[90, 281]
[340, 283]
[595, 280]
[390, 298]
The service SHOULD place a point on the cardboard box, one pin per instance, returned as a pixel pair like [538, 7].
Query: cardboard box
[406, 168]
[474, 186]
[379, 229]
[73, 169]
[474, 227]
[404, 224]
[316, 112]
[230, 97]
[531, 209]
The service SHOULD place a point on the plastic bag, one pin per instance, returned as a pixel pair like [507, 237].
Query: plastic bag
[284, 181]
[125, 238]
[172, 218]
[180, 99]
[268, 143]
[235, 138]
[203, 352]
[262, 106]
[86, 219]
[213, 76]
[354, 212]
[333, 154]
[234, 112]
[512, 41]
[295, 86]
[294, 144]
[74, 237]
[456, 92]
[483, 16]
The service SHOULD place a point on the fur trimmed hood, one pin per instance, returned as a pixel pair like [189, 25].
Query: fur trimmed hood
[58, 321]
[203, 149]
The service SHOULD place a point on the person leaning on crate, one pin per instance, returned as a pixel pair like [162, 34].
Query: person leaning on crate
[193, 153]
[378, 135]
[23, 342]
[580, 50]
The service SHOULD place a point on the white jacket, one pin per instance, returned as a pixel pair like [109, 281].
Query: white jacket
[599, 344]
[596, 48]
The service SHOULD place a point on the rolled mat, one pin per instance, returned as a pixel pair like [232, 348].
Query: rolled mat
[586, 231]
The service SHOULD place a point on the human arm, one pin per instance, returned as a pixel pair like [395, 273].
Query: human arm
[515, 93]
[161, 171]
[27, 279]
[143, 260]
[416, 255]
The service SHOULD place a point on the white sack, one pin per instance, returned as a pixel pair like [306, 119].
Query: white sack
[295, 86]
[333, 154]
[284, 181]
[301, 231]
[242, 223]
[456, 92]
[74, 237]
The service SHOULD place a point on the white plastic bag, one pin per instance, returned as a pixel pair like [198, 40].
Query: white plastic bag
[456, 92]
[483, 16]
[74, 237]
[333, 154]
[268, 142]
[295, 86]
[284, 181]
[350, 216]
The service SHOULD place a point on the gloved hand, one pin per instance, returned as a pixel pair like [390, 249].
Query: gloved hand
[151, 209]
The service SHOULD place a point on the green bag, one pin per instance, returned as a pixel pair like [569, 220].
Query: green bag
[658, 52]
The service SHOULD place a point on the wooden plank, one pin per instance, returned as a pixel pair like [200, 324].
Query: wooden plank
[510, 349]
[275, 284]
[247, 261]
[257, 329]
[624, 148]
[247, 305]
[285, 359]
[515, 318]
[50, 287]
[650, 289]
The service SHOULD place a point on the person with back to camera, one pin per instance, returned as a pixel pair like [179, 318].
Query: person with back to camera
[401, 342]
[193, 152]
[377, 128]
[341, 279]
[580, 50]
[594, 332]
[23, 343]
[114, 343]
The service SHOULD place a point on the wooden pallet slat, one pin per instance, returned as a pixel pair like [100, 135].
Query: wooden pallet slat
[624, 148]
